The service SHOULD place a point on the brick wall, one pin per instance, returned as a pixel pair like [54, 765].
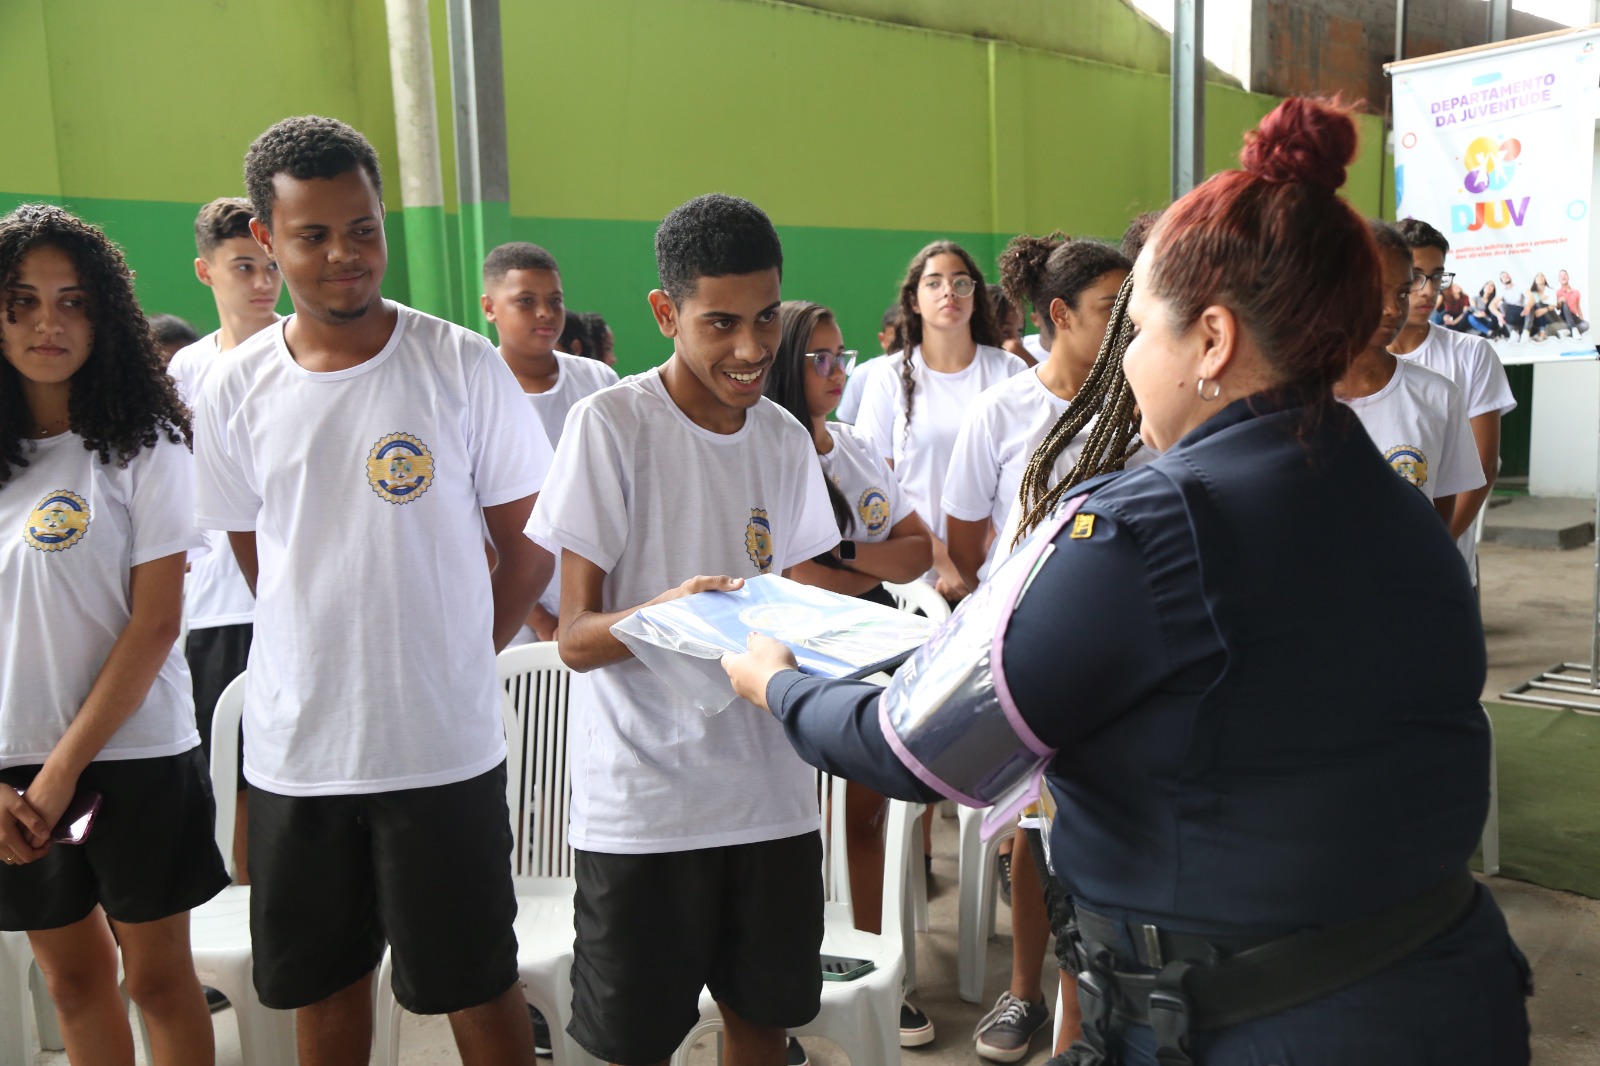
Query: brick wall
[1326, 46]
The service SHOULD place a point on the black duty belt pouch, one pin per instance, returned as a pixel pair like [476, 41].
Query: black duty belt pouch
[1203, 984]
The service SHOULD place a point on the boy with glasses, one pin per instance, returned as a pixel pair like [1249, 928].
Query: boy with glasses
[1466, 359]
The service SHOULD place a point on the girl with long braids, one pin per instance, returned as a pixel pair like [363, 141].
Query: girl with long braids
[1073, 284]
[97, 513]
[884, 540]
[1110, 441]
[913, 407]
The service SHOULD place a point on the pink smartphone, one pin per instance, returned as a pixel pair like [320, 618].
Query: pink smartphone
[77, 819]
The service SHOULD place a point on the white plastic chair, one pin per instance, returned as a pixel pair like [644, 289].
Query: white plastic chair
[538, 789]
[861, 1016]
[919, 596]
[16, 1004]
[978, 866]
[219, 929]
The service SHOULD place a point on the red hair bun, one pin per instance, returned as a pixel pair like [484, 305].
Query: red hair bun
[1303, 140]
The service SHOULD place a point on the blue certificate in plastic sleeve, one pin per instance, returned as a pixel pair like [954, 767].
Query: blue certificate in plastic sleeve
[682, 640]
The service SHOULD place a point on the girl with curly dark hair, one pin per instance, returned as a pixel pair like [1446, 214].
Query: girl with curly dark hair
[96, 515]
[912, 406]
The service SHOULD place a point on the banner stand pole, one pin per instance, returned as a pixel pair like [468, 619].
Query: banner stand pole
[1579, 683]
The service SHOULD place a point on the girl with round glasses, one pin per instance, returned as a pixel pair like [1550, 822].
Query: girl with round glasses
[912, 409]
[884, 539]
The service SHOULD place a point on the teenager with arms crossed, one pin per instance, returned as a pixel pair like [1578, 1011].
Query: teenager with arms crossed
[1465, 359]
[697, 855]
[1414, 416]
[373, 739]
[522, 299]
[97, 509]
[913, 407]
[884, 540]
[217, 603]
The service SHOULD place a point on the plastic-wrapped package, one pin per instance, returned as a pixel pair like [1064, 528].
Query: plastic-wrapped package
[682, 641]
[948, 714]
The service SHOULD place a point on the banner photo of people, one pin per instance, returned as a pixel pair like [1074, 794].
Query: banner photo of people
[1495, 149]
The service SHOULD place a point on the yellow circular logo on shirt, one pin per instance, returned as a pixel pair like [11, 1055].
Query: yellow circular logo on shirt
[758, 539]
[59, 522]
[400, 468]
[1409, 462]
[874, 510]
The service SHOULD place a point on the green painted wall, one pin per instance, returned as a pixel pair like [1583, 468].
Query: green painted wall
[863, 138]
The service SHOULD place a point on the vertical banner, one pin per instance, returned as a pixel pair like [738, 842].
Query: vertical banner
[1494, 148]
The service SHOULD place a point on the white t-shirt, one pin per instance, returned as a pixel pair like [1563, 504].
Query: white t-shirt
[214, 591]
[372, 666]
[1419, 424]
[71, 528]
[940, 403]
[1469, 361]
[1002, 430]
[577, 378]
[866, 482]
[855, 385]
[653, 500]
[1034, 342]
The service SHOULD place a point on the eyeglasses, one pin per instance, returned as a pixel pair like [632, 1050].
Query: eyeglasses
[825, 363]
[961, 285]
[1439, 279]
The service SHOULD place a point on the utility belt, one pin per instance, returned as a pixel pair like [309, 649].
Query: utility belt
[1203, 983]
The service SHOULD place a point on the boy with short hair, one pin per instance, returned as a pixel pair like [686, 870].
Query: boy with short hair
[697, 849]
[217, 603]
[1466, 359]
[355, 452]
[522, 298]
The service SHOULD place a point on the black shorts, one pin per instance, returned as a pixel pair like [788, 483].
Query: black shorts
[744, 921]
[216, 655]
[427, 870]
[150, 853]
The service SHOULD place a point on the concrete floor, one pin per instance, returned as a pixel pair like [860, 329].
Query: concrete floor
[1536, 613]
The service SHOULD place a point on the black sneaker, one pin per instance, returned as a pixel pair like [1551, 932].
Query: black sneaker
[1004, 866]
[916, 1028]
[1005, 1033]
[796, 1054]
[541, 1033]
[216, 1000]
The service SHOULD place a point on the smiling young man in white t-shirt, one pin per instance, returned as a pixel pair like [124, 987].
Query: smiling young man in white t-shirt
[698, 860]
[1467, 360]
[354, 453]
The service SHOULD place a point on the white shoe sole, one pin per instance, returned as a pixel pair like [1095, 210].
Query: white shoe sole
[1000, 1054]
[916, 1037]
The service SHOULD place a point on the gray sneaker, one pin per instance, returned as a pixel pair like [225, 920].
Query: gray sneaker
[1006, 1032]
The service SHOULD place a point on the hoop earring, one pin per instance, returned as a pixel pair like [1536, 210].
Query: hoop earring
[1200, 390]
